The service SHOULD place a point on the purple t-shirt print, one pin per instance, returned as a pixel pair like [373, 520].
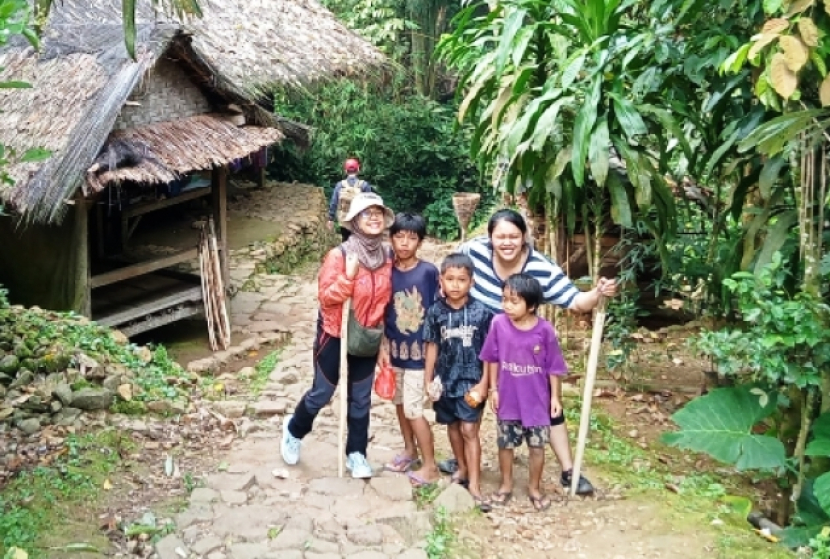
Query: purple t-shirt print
[526, 358]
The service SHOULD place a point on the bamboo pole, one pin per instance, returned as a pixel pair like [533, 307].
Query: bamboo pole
[344, 385]
[207, 295]
[219, 289]
[588, 392]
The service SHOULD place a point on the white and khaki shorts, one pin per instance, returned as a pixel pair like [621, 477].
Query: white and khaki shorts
[409, 391]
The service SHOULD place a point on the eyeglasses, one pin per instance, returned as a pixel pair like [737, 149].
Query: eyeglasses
[370, 213]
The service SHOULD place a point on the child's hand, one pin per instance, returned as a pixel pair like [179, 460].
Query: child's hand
[383, 357]
[555, 407]
[494, 401]
[352, 266]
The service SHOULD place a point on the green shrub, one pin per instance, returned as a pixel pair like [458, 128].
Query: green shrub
[409, 147]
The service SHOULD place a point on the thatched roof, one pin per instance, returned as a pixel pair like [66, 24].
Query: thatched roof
[239, 51]
[171, 149]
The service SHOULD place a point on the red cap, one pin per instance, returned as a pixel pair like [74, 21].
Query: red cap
[351, 165]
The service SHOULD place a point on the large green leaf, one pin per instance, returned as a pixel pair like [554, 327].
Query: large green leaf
[582, 131]
[808, 511]
[821, 489]
[629, 118]
[546, 123]
[598, 151]
[818, 447]
[620, 206]
[720, 425]
[769, 174]
[128, 14]
[776, 236]
[512, 25]
[771, 137]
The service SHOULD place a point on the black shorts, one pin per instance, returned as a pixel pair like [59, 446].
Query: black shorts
[450, 410]
[558, 420]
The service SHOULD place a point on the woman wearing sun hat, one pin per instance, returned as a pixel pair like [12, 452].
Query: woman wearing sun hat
[360, 269]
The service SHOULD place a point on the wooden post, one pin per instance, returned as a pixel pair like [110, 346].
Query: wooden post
[260, 177]
[83, 287]
[219, 196]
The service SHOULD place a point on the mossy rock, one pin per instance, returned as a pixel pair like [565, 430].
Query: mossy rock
[23, 351]
[28, 363]
[9, 365]
[52, 363]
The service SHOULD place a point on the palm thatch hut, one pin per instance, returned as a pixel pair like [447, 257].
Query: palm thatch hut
[196, 98]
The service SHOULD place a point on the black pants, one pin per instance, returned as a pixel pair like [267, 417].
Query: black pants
[326, 377]
[345, 233]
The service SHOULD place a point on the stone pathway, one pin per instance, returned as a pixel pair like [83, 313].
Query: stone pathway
[257, 508]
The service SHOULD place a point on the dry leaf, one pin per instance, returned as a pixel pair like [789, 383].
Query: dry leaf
[824, 91]
[758, 45]
[799, 6]
[107, 485]
[775, 26]
[795, 53]
[783, 80]
[809, 32]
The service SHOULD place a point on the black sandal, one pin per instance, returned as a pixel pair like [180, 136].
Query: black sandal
[540, 503]
[482, 503]
[463, 482]
[501, 498]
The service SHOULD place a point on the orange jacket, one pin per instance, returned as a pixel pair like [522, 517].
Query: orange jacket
[370, 292]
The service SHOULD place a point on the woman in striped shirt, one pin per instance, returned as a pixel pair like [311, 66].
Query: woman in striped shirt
[505, 252]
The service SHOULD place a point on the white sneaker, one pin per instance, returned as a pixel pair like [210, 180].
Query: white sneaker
[358, 465]
[290, 446]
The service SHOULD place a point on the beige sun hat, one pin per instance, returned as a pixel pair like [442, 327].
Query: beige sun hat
[365, 200]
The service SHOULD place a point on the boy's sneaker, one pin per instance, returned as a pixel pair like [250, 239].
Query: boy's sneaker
[290, 446]
[357, 464]
[583, 487]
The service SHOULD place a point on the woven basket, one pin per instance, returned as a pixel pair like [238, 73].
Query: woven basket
[465, 204]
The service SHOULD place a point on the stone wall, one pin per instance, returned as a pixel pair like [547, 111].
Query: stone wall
[301, 212]
[165, 94]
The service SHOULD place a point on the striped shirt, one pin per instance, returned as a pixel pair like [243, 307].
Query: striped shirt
[487, 288]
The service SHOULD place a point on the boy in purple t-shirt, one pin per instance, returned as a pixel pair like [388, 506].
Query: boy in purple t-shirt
[521, 353]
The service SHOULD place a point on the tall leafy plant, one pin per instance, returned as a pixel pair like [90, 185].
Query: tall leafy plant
[555, 91]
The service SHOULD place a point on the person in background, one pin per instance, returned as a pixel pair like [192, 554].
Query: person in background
[343, 194]
[504, 252]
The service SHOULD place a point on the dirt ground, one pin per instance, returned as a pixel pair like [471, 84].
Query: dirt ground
[652, 501]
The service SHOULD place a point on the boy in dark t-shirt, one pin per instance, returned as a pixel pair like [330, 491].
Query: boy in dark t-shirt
[455, 330]
[414, 288]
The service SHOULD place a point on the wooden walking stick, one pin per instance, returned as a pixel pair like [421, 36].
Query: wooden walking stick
[588, 392]
[344, 385]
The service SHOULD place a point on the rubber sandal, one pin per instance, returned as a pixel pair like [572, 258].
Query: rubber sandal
[417, 481]
[482, 504]
[540, 503]
[400, 464]
[501, 498]
[465, 483]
